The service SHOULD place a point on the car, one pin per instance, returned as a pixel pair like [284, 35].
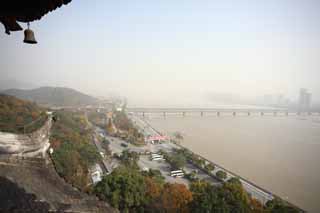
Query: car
[102, 154]
[124, 145]
[146, 169]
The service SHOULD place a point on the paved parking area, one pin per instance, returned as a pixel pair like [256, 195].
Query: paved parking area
[163, 167]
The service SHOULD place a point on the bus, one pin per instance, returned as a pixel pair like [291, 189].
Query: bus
[157, 158]
[177, 173]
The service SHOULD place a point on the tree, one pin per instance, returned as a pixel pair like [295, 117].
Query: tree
[192, 176]
[198, 161]
[221, 175]
[209, 167]
[88, 153]
[234, 180]
[178, 136]
[73, 153]
[206, 198]
[174, 198]
[177, 160]
[110, 128]
[19, 120]
[124, 188]
[155, 175]
[256, 206]
[71, 166]
[153, 189]
[235, 196]
[278, 206]
[129, 158]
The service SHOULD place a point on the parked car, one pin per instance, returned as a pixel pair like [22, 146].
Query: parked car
[124, 145]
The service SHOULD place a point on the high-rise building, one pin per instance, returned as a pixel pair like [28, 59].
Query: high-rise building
[304, 99]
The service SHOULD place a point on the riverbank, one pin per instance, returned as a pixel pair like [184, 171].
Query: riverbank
[256, 191]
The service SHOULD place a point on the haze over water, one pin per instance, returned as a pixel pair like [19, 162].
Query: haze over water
[280, 154]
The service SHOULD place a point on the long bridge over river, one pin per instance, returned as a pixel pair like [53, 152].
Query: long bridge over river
[222, 111]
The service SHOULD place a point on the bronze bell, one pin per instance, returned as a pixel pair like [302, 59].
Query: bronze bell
[29, 36]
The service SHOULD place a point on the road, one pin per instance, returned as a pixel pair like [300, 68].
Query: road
[108, 164]
[144, 160]
[257, 192]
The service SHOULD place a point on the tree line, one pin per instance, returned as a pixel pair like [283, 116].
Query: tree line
[131, 190]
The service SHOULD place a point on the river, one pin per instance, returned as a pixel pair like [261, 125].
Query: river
[280, 154]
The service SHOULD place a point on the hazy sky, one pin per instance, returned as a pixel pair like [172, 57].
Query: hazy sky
[172, 50]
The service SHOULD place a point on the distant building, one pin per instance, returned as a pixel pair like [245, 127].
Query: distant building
[96, 173]
[304, 99]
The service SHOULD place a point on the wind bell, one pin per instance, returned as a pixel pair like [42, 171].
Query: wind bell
[29, 36]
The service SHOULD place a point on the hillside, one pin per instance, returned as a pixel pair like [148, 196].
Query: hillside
[53, 96]
[15, 114]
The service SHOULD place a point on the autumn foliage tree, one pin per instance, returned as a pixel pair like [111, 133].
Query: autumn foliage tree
[16, 113]
[174, 198]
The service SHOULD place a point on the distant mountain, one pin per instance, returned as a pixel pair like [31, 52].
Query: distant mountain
[6, 83]
[53, 96]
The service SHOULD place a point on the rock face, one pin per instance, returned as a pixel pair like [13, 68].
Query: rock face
[26, 145]
[16, 199]
[38, 177]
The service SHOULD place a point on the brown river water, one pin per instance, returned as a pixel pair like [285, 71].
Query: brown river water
[280, 154]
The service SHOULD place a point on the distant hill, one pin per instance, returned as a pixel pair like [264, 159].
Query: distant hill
[19, 116]
[53, 96]
[6, 83]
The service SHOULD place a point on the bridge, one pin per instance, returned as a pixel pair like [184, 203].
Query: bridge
[222, 111]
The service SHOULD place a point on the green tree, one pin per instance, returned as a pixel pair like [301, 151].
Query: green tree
[70, 165]
[155, 175]
[129, 158]
[209, 167]
[207, 198]
[73, 152]
[235, 196]
[221, 175]
[278, 206]
[177, 160]
[124, 188]
[234, 180]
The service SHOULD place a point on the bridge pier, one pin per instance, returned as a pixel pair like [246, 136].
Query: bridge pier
[201, 114]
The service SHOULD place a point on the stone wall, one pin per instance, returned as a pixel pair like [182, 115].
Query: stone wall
[28, 145]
